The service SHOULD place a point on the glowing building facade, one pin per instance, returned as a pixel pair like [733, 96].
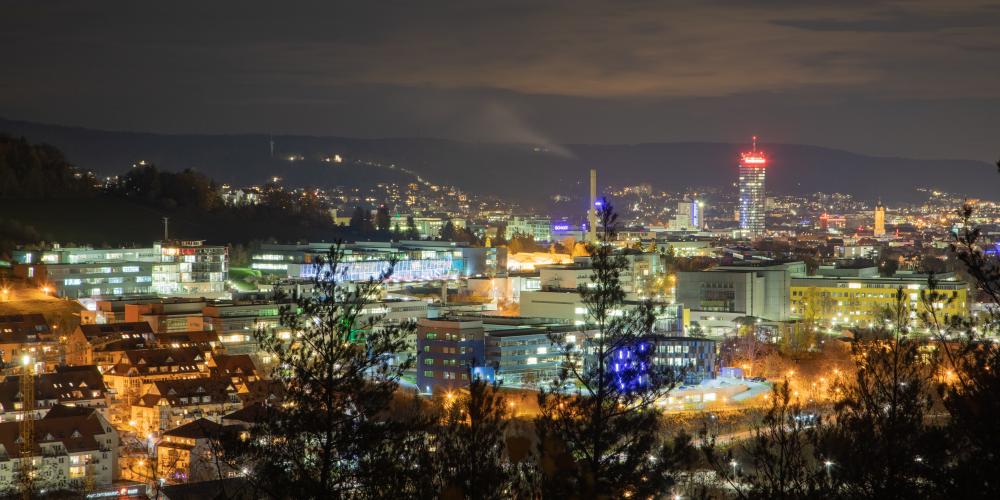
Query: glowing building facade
[753, 166]
[168, 268]
[415, 260]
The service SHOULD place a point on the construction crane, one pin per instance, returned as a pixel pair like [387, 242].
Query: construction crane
[27, 426]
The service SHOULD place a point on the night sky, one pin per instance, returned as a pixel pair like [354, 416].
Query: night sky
[912, 78]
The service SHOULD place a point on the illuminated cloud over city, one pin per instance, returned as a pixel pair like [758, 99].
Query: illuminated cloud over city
[906, 78]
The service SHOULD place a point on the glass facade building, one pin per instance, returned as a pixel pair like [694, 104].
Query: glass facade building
[752, 201]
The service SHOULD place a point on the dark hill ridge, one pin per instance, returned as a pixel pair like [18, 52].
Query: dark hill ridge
[518, 172]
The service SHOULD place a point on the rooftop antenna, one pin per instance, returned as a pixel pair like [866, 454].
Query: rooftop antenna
[165, 221]
[755, 144]
[270, 139]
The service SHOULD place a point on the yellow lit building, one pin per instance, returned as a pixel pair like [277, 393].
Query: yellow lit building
[879, 226]
[862, 298]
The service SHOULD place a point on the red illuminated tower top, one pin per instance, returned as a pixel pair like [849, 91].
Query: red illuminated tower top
[753, 158]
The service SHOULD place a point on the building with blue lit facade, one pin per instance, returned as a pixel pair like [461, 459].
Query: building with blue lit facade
[692, 357]
[415, 260]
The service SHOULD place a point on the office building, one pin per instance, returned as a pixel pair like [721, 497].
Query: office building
[427, 226]
[415, 260]
[752, 198]
[169, 315]
[524, 355]
[448, 352]
[688, 216]
[685, 248]
[694, 358]
[169, 268]
[190, 268]
[110, 310]
[722, 294]
[79, 272]
[641, 269]
[858, 296]
[538, 228]
[567, 306]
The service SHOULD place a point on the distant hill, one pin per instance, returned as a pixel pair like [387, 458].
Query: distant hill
[519, 172]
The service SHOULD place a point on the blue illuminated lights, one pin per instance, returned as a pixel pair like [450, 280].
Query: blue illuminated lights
[405, 270]
[630, 366]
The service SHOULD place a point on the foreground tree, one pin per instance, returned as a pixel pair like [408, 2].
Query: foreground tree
[603, 439]
[878, 443]
[335, 434]
[471, 453]
[971, 382]
[780, 460]
[881, 442]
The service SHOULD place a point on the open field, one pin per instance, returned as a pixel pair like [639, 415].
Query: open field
[21, 298]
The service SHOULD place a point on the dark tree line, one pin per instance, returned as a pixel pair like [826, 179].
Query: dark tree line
[39, 171]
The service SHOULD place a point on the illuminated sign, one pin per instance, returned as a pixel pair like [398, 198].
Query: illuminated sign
[560, 227]
[130, 491]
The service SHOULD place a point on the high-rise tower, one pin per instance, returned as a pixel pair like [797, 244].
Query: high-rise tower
[753, 166]
[879, 227]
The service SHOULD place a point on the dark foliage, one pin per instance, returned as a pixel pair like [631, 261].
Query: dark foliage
[337, 432]
[605, 439]
[39, 171]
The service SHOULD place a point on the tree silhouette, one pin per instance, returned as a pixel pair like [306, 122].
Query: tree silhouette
[604, 439]
[332, 433]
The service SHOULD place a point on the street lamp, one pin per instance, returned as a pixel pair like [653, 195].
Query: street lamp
[734, 464]
[828, 464]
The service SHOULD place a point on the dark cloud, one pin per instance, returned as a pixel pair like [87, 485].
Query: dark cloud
[882, 77]
[899, 21]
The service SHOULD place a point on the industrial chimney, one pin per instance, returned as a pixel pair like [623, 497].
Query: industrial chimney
[592, 211]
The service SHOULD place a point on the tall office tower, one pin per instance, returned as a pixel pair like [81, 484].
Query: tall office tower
[753, 166]
[879, 220]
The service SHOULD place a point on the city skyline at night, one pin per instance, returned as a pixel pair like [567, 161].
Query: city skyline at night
[500, 250]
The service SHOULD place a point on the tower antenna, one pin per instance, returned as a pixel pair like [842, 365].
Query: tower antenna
[755, 144]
